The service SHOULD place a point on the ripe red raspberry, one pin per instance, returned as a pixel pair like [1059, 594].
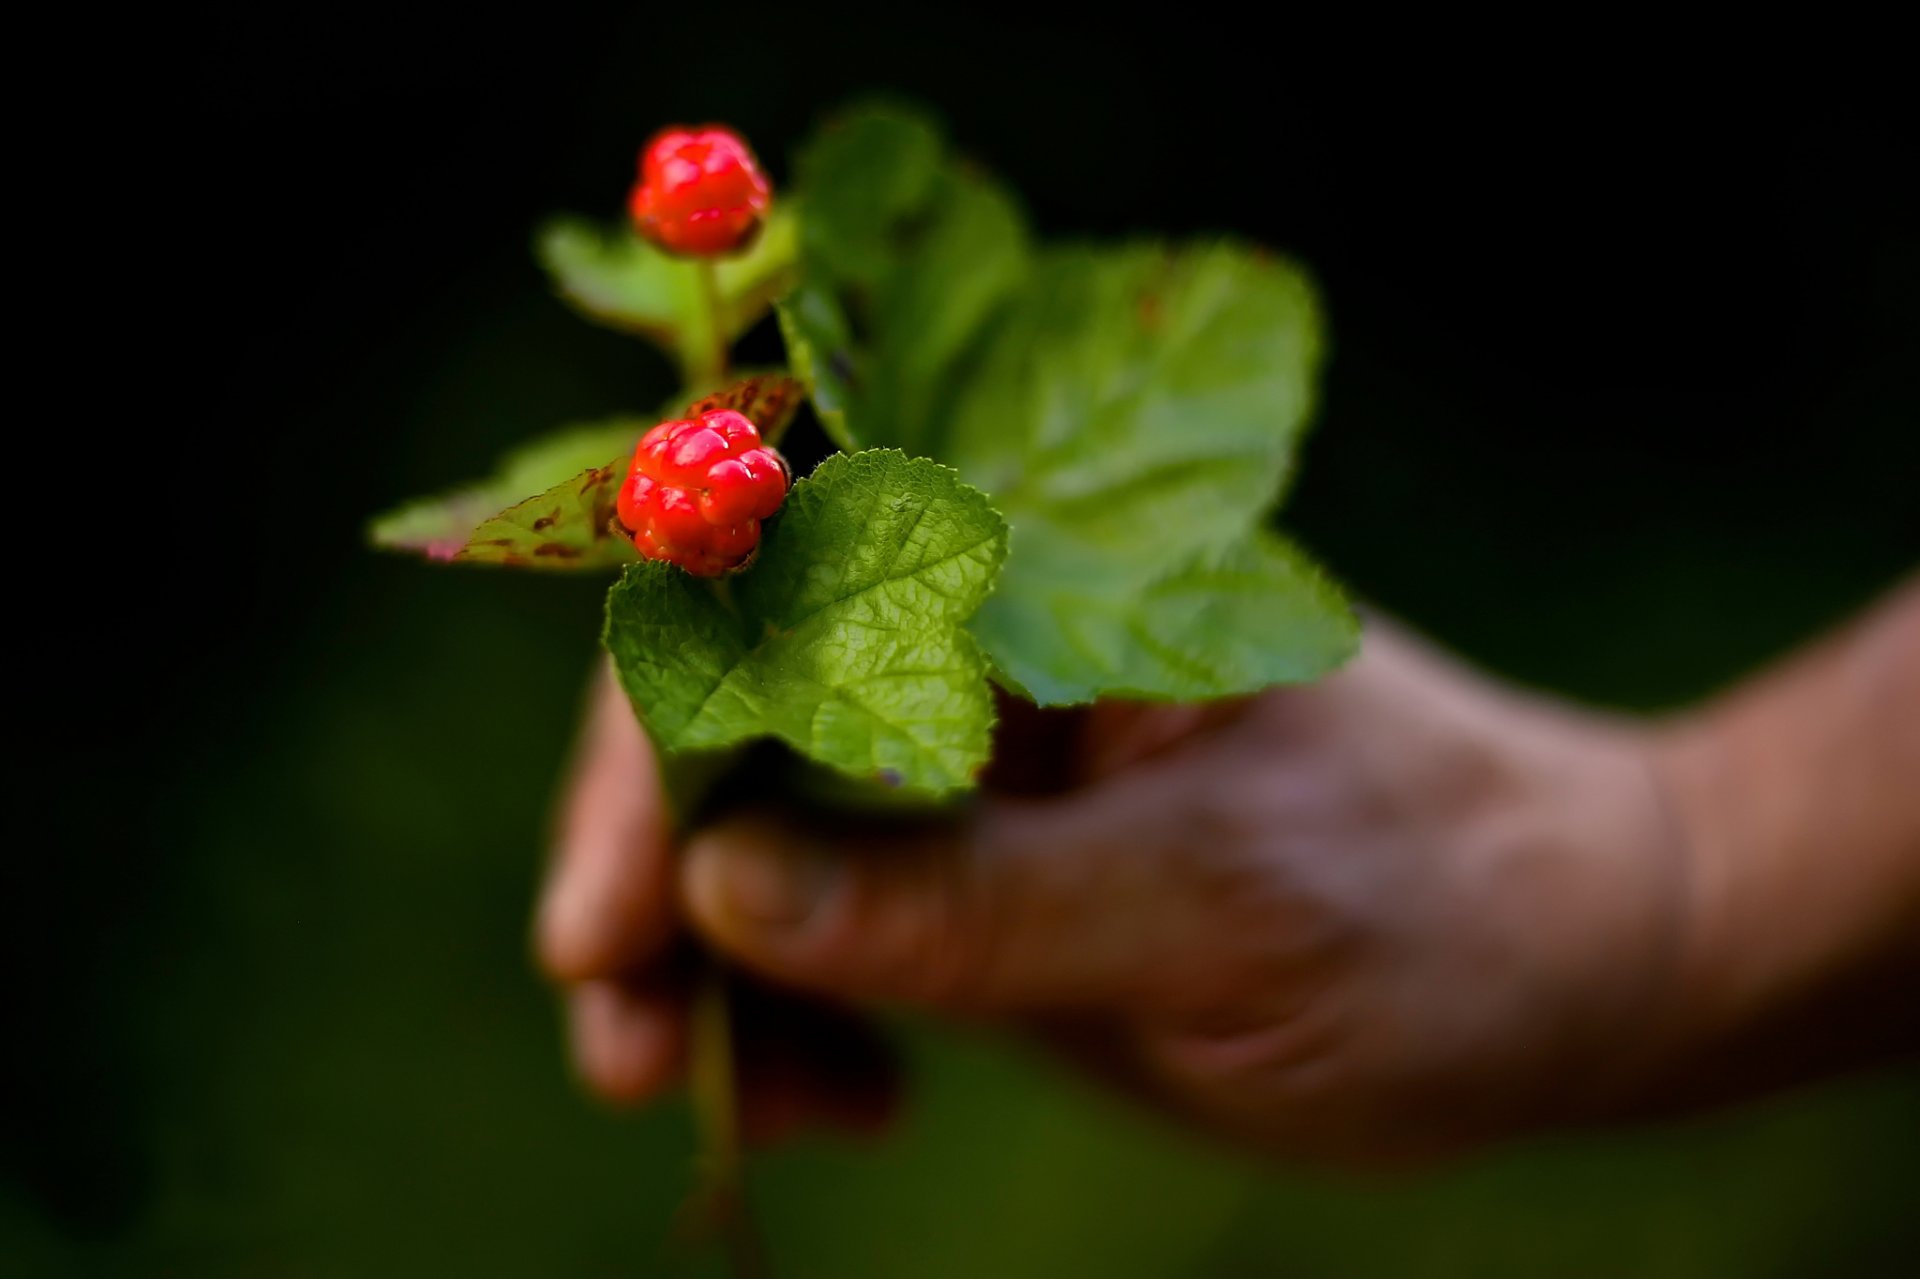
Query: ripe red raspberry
[701, 192]
[698, 490]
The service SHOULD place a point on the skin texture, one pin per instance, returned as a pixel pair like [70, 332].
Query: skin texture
[1397, 915]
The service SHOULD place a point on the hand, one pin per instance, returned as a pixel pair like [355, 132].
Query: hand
[1395, 914]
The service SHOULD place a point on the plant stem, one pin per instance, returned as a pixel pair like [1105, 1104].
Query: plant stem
[708, 368]
[715, 1088]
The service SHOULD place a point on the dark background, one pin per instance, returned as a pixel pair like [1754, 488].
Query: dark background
[1623, 403]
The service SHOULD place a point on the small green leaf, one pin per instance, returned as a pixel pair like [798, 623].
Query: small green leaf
[846, 638]
[1134, 417]
[440, 528]
[820, 348]
[614, 277]
[568, 527]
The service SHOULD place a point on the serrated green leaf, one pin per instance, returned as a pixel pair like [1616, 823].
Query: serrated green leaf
[615, 278]
[846, 638]
[441, 527]
[1134, 418]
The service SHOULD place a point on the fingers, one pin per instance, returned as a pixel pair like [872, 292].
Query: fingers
[1030, 905]
[605, 929]
[608, 899]
[628, 1038]
[799, 1064]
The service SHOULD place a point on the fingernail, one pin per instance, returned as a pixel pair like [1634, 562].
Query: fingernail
[775, 889]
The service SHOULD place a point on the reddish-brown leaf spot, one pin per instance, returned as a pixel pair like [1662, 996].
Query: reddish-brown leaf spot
[768, 400]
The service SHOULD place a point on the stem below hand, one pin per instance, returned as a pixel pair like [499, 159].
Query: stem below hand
[716, 1109]
[718, 1205]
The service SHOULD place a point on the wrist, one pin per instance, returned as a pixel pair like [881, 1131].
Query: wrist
[1721, 974]
[1800, 935]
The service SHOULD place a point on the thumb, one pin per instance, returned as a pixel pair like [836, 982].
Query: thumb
[1013, 909]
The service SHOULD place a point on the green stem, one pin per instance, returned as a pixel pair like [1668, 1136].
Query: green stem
[715, 1087]
[707, 366]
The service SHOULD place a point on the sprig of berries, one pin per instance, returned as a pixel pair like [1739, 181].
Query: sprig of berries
[701, 192]
[698, 490]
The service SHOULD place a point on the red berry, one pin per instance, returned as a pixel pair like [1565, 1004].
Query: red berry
[700, 193]
[698, 490]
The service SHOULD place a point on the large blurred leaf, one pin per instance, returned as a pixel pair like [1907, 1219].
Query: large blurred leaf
[846, 639]
[1134, 419]
[863, 177]
[614, 277]
[965, 262]
[1228, 621]
[920, 248]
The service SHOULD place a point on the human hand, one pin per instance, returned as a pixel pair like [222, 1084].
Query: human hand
[1392, 915]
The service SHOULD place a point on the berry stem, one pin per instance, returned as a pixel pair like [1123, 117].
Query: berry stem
[709, 369]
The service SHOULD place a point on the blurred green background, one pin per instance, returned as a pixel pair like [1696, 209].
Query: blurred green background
[1623, 404]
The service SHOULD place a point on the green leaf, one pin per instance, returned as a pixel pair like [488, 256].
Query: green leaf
[1134, 417]
[441, 528]
[821, 350]
[965, 262]
[846, 638]
[1228, 622]
[923, 249]
[615, 278]
[569, 527]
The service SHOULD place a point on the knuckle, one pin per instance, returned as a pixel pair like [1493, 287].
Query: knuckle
[938, 930]
[948, 949]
